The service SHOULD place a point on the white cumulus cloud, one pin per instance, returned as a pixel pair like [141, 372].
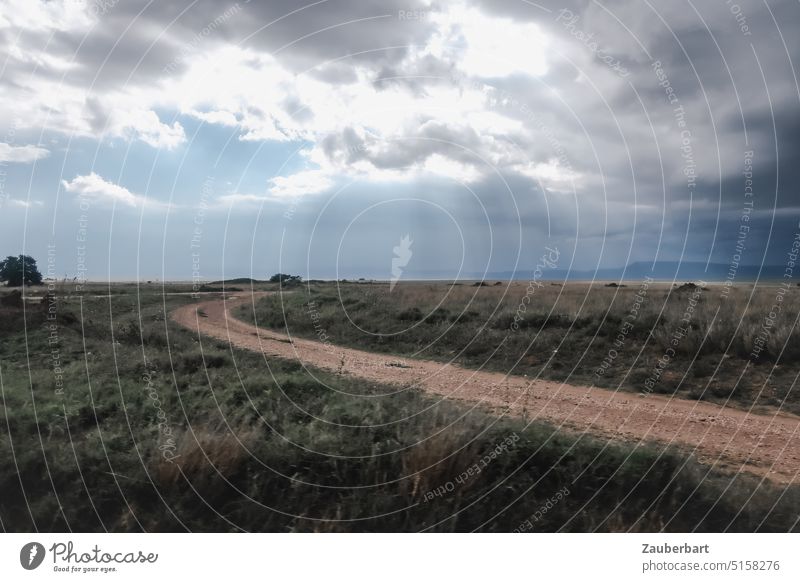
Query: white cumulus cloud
[304, 182]
[97, 188]
[21, 154]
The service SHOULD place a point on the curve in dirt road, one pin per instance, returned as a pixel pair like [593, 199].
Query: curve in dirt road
[730, 439]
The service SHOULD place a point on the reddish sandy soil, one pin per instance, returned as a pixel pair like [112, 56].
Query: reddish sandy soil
[766, 444]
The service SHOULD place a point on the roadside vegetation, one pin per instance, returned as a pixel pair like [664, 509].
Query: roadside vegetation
[115, 419]
[697, 342]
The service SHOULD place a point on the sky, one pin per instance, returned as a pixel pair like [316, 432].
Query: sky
[339, 138]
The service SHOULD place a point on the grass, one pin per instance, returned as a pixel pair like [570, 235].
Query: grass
[158, 430]
[579, 333]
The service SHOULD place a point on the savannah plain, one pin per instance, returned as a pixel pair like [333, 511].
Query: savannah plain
[426, 406]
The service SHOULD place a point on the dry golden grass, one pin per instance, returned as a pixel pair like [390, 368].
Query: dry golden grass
[204, 453]
[442, 457]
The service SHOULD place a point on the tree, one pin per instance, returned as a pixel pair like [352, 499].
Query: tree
[20, 270]
[285, 279]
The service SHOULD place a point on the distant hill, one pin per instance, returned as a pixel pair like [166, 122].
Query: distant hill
[238, 281]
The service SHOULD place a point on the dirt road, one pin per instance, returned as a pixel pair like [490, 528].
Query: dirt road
[730, 439]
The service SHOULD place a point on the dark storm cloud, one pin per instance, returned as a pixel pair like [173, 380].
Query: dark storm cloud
[304, 33]
[705, 79]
